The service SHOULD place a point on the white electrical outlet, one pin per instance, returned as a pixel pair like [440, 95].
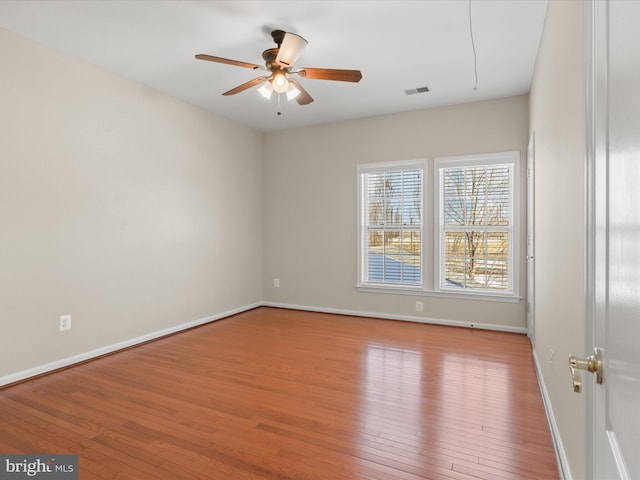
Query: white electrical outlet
[419, 306]
[276, 282]
[65, 322]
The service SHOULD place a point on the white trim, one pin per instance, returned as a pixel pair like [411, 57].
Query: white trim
[406, 318]
[530, 239]
[98, 352]
[621, 465]
[561, 456]
[470, 295]
[92, 354]
[368, 168]
[430, 273]
[391, 166]
[590, 101]
[507, 158]
[490, 158]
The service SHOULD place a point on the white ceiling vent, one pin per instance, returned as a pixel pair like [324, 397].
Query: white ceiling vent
[413, 91]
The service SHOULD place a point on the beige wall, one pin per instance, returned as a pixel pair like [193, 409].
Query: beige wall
[557, 118]
[128, 209]
[310, 203]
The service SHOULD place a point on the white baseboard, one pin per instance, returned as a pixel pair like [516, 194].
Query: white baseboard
[407, 318]
[561, 456]
[83, 357]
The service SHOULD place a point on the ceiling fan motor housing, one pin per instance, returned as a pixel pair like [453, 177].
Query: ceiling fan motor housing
[269, 56]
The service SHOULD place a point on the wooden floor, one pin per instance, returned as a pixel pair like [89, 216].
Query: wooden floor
[279, 394]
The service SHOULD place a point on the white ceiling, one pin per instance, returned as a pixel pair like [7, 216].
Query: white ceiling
[398, 45]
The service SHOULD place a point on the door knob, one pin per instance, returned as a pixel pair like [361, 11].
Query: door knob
[593, 364]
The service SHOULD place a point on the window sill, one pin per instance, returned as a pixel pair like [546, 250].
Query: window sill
[417, 291]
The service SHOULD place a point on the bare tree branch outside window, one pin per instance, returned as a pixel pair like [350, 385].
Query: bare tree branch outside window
[477, 223]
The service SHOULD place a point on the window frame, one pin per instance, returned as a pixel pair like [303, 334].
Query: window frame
[502, 158]
[430, 233]
[369, 168]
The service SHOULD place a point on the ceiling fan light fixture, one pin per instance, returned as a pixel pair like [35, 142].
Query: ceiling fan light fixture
[266, 90]
[280, 83]
[292, 92]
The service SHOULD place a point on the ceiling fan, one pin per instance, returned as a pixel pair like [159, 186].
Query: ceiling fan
[279, 63]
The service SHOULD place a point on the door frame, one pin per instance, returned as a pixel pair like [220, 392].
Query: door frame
[595, 83]
[530, 256]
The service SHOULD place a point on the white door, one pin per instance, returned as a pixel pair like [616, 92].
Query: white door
[614, 236]
[530, 237]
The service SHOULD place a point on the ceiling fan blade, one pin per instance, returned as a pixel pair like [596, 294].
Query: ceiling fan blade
[330, 74]
[237, 63]
[290, 50]
[246, 85]
[303, 98]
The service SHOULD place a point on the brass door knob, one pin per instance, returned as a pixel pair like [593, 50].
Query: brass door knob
[592, 363]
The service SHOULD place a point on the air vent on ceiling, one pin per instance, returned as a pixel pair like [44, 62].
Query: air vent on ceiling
[413, 91]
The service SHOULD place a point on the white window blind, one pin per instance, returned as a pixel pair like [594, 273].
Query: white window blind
[391, 222]
[476, 224]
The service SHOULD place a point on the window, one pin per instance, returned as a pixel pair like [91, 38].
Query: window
[391, 224]
[476, 227]
[471, 215]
